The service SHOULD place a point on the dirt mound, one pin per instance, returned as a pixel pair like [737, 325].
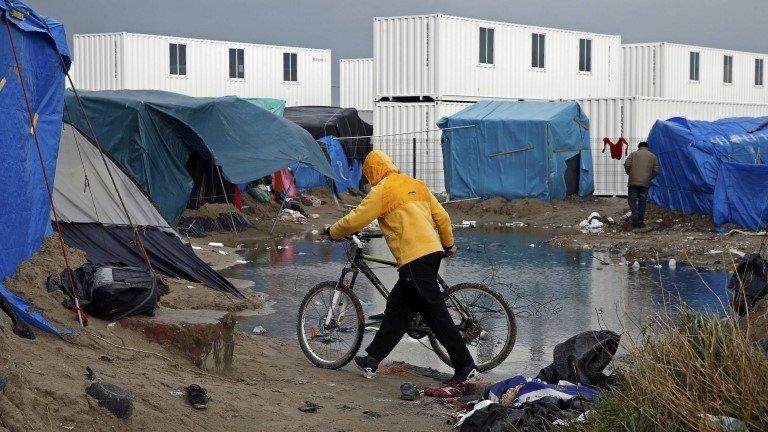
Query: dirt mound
[757, 321]
[209, 210]
[181, 296]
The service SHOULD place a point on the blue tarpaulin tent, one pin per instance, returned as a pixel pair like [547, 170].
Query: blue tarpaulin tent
[517, 149]
[348, 173]
[39, 45]
[152, 135]
[716, 168]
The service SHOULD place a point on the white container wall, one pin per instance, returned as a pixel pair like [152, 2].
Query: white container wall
[356, 84]
[136, 61]
[455, 59]
[665, 70]
[397, 124]
[633, 118]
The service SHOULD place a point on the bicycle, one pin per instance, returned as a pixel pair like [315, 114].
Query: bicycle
[332, 337]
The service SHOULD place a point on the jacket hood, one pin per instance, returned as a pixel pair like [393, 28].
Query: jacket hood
[378, 165]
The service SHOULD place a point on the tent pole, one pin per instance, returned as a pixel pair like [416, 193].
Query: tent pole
[277, 216]
[226, 200]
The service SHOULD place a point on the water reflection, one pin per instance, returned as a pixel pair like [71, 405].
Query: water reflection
[558, 292]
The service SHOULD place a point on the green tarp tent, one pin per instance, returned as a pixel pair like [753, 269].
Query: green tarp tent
[275, 106]
[153, 134]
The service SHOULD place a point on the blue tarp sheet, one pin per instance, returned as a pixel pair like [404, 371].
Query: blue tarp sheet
[348, 174]
[151, 135]
[715, 168]
[515, 150]
[38, 43]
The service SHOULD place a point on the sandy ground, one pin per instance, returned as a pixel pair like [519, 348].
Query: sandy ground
[46, 381]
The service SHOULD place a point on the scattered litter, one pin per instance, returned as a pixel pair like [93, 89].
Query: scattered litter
[110, 325]
[289, 215]
[196, 247]
[301, 253]
[279, 247]
[636, 266]
[657, 266]
[190, 287]
[221, 252]
[728, 424]
[468, 224]
[515, 224]
[371, 414]
[532, 245]
[309, 407]
[259, 330]
[115, 399]
[216, 244]
[673, 263]
[314, 216]
[177, 393]
[714, 252]
[736, 252]
[197, 396]
[72, 427]
[611, 221]
[408, 391]
[241, 262]
[105, 358]
[315, 232]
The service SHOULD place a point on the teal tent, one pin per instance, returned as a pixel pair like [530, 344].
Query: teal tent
[153, 135]
[275, 106]
[517, 149]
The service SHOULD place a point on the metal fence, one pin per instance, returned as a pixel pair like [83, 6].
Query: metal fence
[610, 178]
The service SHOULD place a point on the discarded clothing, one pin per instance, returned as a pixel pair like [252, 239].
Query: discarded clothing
[582, 358]
[528, 390]
[749, 283]
[489, 418]
[233, 221]
[115, 399]
[616, 149]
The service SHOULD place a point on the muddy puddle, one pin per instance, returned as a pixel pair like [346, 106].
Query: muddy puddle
[556, 292]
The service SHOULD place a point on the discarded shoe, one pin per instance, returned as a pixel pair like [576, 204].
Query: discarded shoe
[115, 399]
[408, 391]
[197, 396]
[450, 389]
[309, 407]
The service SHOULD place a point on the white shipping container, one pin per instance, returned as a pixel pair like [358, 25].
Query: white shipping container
[674, 71]
[633, 118]
[397, 124]
[356, 84]
[116, 61]
[455, 59]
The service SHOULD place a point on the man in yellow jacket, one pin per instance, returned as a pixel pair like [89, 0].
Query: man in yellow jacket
[418, 232]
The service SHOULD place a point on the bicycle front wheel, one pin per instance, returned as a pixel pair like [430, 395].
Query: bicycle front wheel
[330, 325]
[490, 329]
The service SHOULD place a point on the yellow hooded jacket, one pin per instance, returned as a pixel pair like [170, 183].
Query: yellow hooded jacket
[412, 221]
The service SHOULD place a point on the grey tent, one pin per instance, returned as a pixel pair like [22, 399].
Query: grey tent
[96, 219]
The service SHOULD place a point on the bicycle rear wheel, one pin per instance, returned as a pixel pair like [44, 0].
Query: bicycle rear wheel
[489, 332]
[330, 340]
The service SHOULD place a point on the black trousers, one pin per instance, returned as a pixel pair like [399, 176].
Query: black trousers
[417, 291]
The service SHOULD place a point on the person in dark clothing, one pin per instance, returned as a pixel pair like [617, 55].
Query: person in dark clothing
[641, 167]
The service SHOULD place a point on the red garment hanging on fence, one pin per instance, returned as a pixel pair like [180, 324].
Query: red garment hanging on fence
[616, 149]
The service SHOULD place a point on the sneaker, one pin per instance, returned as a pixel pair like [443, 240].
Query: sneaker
[367, 366]
[197, 396]
[408, 391]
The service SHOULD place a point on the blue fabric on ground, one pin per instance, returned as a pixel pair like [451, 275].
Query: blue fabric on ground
[151, 135]
[24, 202]
[696, 156]
[515, 149]
[533, 389]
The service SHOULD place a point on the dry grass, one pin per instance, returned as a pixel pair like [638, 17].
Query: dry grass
[682, 369]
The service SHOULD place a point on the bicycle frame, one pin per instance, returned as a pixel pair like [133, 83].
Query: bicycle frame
[359, 263]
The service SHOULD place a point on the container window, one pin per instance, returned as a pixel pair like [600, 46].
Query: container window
[585, 55]
[693, 67]
[236, 63]
[758, 72]
[290, 67]
[177, 59]
[728, 69]
[537, 50]
[486, 45]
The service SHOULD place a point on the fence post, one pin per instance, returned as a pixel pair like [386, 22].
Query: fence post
[414, 157]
